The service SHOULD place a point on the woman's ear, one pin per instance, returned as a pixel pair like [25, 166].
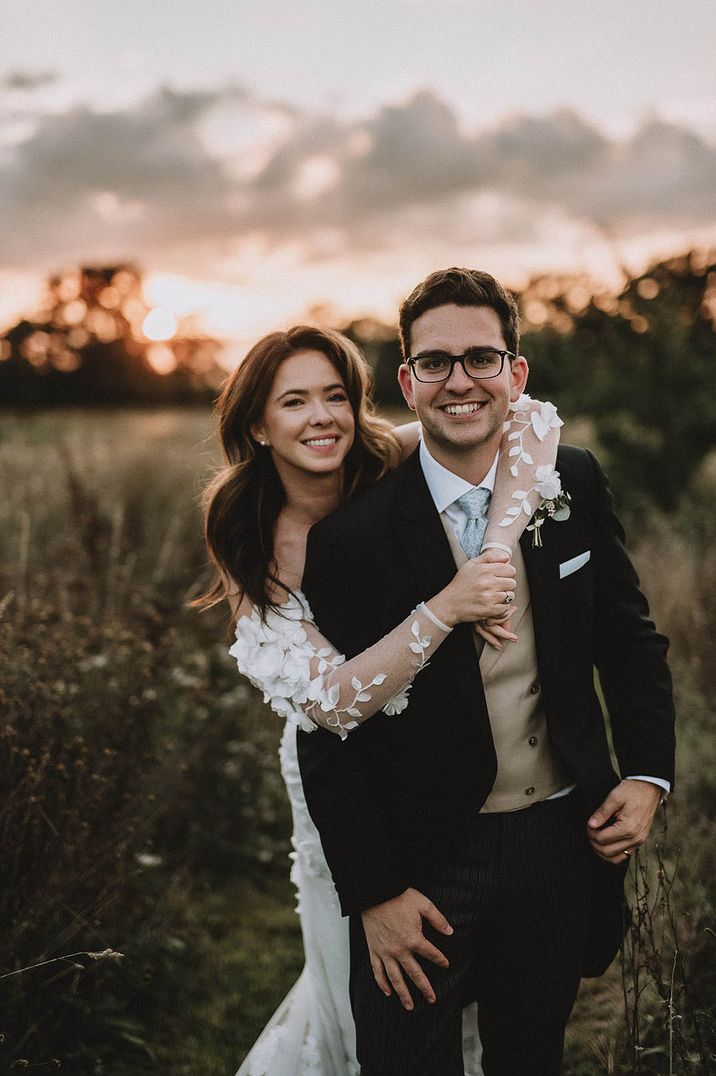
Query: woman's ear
[257, 432]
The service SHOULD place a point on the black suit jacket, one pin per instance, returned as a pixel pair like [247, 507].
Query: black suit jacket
[393, 799]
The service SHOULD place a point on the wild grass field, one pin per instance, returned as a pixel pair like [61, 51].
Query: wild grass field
[142, 809]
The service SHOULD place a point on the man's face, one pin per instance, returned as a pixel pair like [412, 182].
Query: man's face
[461, 415]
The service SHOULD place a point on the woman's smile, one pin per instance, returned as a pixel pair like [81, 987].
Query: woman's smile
[327, 441]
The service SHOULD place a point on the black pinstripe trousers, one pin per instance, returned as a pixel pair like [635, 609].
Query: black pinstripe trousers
[518, 895]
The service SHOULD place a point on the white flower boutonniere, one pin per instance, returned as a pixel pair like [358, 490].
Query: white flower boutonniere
[554, 504]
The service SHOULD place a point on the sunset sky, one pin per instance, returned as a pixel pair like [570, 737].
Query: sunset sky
[259, 158]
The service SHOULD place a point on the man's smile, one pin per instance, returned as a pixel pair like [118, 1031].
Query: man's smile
[463, 408]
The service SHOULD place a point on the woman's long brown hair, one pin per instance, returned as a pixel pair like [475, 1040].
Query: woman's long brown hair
[243, 501]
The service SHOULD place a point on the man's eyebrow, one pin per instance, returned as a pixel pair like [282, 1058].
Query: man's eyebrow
[451, 354]
[304, 392]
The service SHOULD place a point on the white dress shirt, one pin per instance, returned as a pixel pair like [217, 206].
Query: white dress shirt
[445, 488]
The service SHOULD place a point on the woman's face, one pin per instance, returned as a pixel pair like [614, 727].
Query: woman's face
[308, 420]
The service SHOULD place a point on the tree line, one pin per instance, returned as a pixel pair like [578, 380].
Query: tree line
[636, 362]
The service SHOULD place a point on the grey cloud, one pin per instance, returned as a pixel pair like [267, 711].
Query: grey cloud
[406, 164]
[418, 156]
[664, 171]
[167, 187]
[24, 81]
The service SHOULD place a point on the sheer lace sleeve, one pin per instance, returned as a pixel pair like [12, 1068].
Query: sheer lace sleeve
[525, 471]
[307, 682]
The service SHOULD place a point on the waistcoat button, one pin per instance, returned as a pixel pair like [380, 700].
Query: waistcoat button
[534, 688]
[532, 741]
[529, 791]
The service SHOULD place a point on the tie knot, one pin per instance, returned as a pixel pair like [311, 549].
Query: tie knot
[475, 502]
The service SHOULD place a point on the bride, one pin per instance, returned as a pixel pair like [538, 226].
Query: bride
[299, 435]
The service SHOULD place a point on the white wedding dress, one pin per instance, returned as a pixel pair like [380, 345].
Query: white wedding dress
[307, 682]
[311, 1033]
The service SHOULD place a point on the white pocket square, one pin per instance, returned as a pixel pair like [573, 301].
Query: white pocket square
[568, 566]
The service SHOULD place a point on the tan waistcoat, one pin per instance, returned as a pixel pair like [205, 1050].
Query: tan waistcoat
[527, 767]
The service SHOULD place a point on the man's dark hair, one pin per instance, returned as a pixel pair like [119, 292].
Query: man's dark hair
[463, 287]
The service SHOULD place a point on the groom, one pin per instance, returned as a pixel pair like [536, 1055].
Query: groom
[478, 840]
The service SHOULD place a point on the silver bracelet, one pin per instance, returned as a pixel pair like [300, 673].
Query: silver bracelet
[431, 616]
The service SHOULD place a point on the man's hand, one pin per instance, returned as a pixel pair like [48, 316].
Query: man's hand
[496, 633]
[623, 821]
[394, 932]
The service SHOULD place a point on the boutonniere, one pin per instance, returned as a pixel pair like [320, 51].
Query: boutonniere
[554, 504]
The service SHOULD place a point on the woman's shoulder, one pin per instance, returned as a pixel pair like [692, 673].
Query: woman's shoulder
[274, 652]
[293, 609]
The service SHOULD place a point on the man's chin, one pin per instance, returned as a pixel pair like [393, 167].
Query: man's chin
[467, 438]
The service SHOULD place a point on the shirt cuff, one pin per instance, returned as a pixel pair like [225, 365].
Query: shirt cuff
[666, 785]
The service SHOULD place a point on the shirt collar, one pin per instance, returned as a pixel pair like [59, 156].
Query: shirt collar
[444, 485]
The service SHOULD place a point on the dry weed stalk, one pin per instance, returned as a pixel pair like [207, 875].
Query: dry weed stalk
[105, 954]
[662, 1017]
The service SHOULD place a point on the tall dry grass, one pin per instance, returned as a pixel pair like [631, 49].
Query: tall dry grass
[136, 769]
[655, 1010]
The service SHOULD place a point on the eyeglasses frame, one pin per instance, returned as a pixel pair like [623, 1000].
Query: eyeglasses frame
[461, 359]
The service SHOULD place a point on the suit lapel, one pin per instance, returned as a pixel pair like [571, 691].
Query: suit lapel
[542, 567]
[491, 655]
[430, 558]
[420, 531]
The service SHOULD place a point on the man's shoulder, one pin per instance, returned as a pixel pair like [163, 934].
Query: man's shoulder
[577, 465]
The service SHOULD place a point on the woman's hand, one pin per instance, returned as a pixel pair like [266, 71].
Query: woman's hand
[478, 591]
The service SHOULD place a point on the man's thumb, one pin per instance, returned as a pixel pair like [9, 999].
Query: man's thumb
[494, 556]
[435, 918]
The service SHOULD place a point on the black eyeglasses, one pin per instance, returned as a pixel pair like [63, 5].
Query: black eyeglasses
[478, 363]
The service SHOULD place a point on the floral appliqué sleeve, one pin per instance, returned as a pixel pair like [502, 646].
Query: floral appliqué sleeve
[526, 477]
[306, 681]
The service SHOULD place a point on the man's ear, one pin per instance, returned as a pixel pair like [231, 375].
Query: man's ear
[405, 381]
[519, 371]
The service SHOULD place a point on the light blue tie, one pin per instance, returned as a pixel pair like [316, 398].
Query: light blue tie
[475, 505]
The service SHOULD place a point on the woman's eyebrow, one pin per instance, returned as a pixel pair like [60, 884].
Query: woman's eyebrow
[304, 392]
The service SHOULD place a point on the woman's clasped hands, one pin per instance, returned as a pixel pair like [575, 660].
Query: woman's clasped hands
[481, 593]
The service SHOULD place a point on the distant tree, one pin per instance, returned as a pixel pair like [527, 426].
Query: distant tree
[641, 366]
[88, 345]
[381, 347]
